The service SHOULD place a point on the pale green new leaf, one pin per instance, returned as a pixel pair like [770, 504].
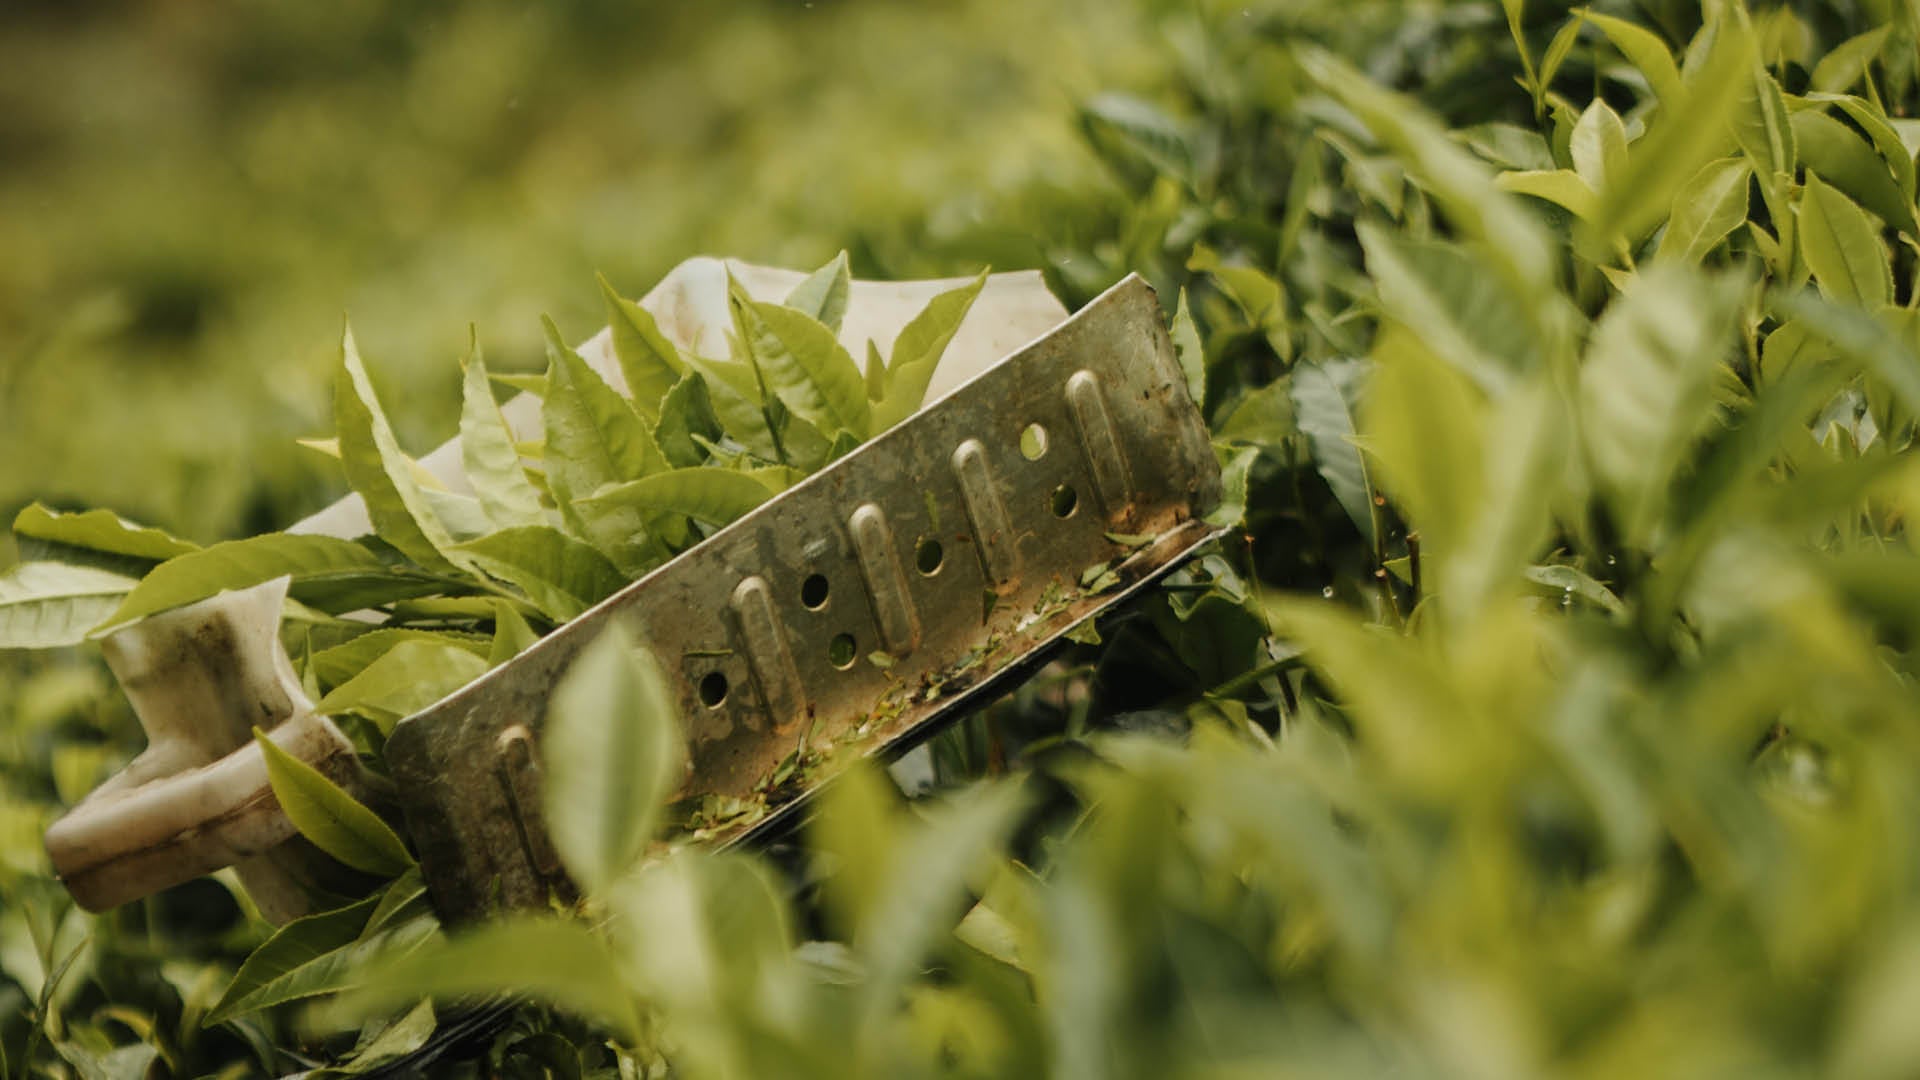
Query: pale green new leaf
[336, 664]
[735, 399]
[612, 752]
[804, 365]
[99, 530]
[594, 438]
[406, 678]
[1449, 297]
[45, 605]
[511, 634]
[1847, 62]
[1526, 438]
[1420, 425]
[380, 471]
[713, 495]
[1599, 145]
[917, 351]
[560, 575]
[1644, 50]
[313, 562]
[823, 295]
[488, 455]
[1325, 398]
[1646, 386]
[1762, 126]
[1896, 152]
[1710, 206]
[333, 820]
[648, 361]
[1562, 187]
[1843, 247]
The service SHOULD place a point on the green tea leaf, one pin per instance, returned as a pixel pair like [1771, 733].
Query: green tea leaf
[686, 411]
[1449, 297]
[403, 680]
[313, 562]
[1846, 63]
[1646, 386]
[1842, 246]
[1562, 187]
[99, 530]
[1644, 50]
[1325, 400]
[1896, 152]
[336, 664]
[488, 455]
[715, 496]
[292, 948]
[1762, 127]
[823, 295]
[612, 751]
[917, 351]
[511, 634]
[1707, 209]
[1599, 145]
[648, 361]
[562, 576]
[379, 471]
[1844, 160]
[805, 366]
[1187, 350]
[336, 823]
[560, 962]
[45, 605]
[594, 438]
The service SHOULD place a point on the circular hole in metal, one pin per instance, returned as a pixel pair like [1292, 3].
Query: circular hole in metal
[813, 591]
[1033, 442]
[1064, 501]
[840, 651]
[928, 555]
[713, 690]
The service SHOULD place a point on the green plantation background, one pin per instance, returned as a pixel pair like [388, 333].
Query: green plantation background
[1550, 708]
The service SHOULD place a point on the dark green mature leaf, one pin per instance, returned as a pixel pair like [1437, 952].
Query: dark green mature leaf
[804, 365]
[1326, 397]
[488, 454]
[648, 361]
[1842, 246]
[1706, 210]
[612, 751]
[1893, 150]
[1187, 350]
[917, 351]
[99, 530]
[1862, 337]
[380, 471]
[315, 564]
[705, 493]
[685, 412]
[1449, 297]
[292, 948]
[823, 295]
[336, 822]
[406, 678]
[562, 576]
[45, 605]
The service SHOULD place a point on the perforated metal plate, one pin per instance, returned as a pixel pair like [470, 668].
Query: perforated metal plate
[859, 609]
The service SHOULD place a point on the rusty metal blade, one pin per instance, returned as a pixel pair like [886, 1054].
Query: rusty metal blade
[859, 610]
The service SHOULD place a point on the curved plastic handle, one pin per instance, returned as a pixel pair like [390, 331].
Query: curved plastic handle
[200, 678]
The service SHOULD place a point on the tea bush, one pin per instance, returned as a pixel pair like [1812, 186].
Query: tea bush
[1551, 712]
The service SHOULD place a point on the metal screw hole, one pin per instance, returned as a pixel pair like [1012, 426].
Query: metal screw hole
[928, 555]
[813, 591]
[1064, 501]
[840, 651]
[1033, 442]
[713, 690]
